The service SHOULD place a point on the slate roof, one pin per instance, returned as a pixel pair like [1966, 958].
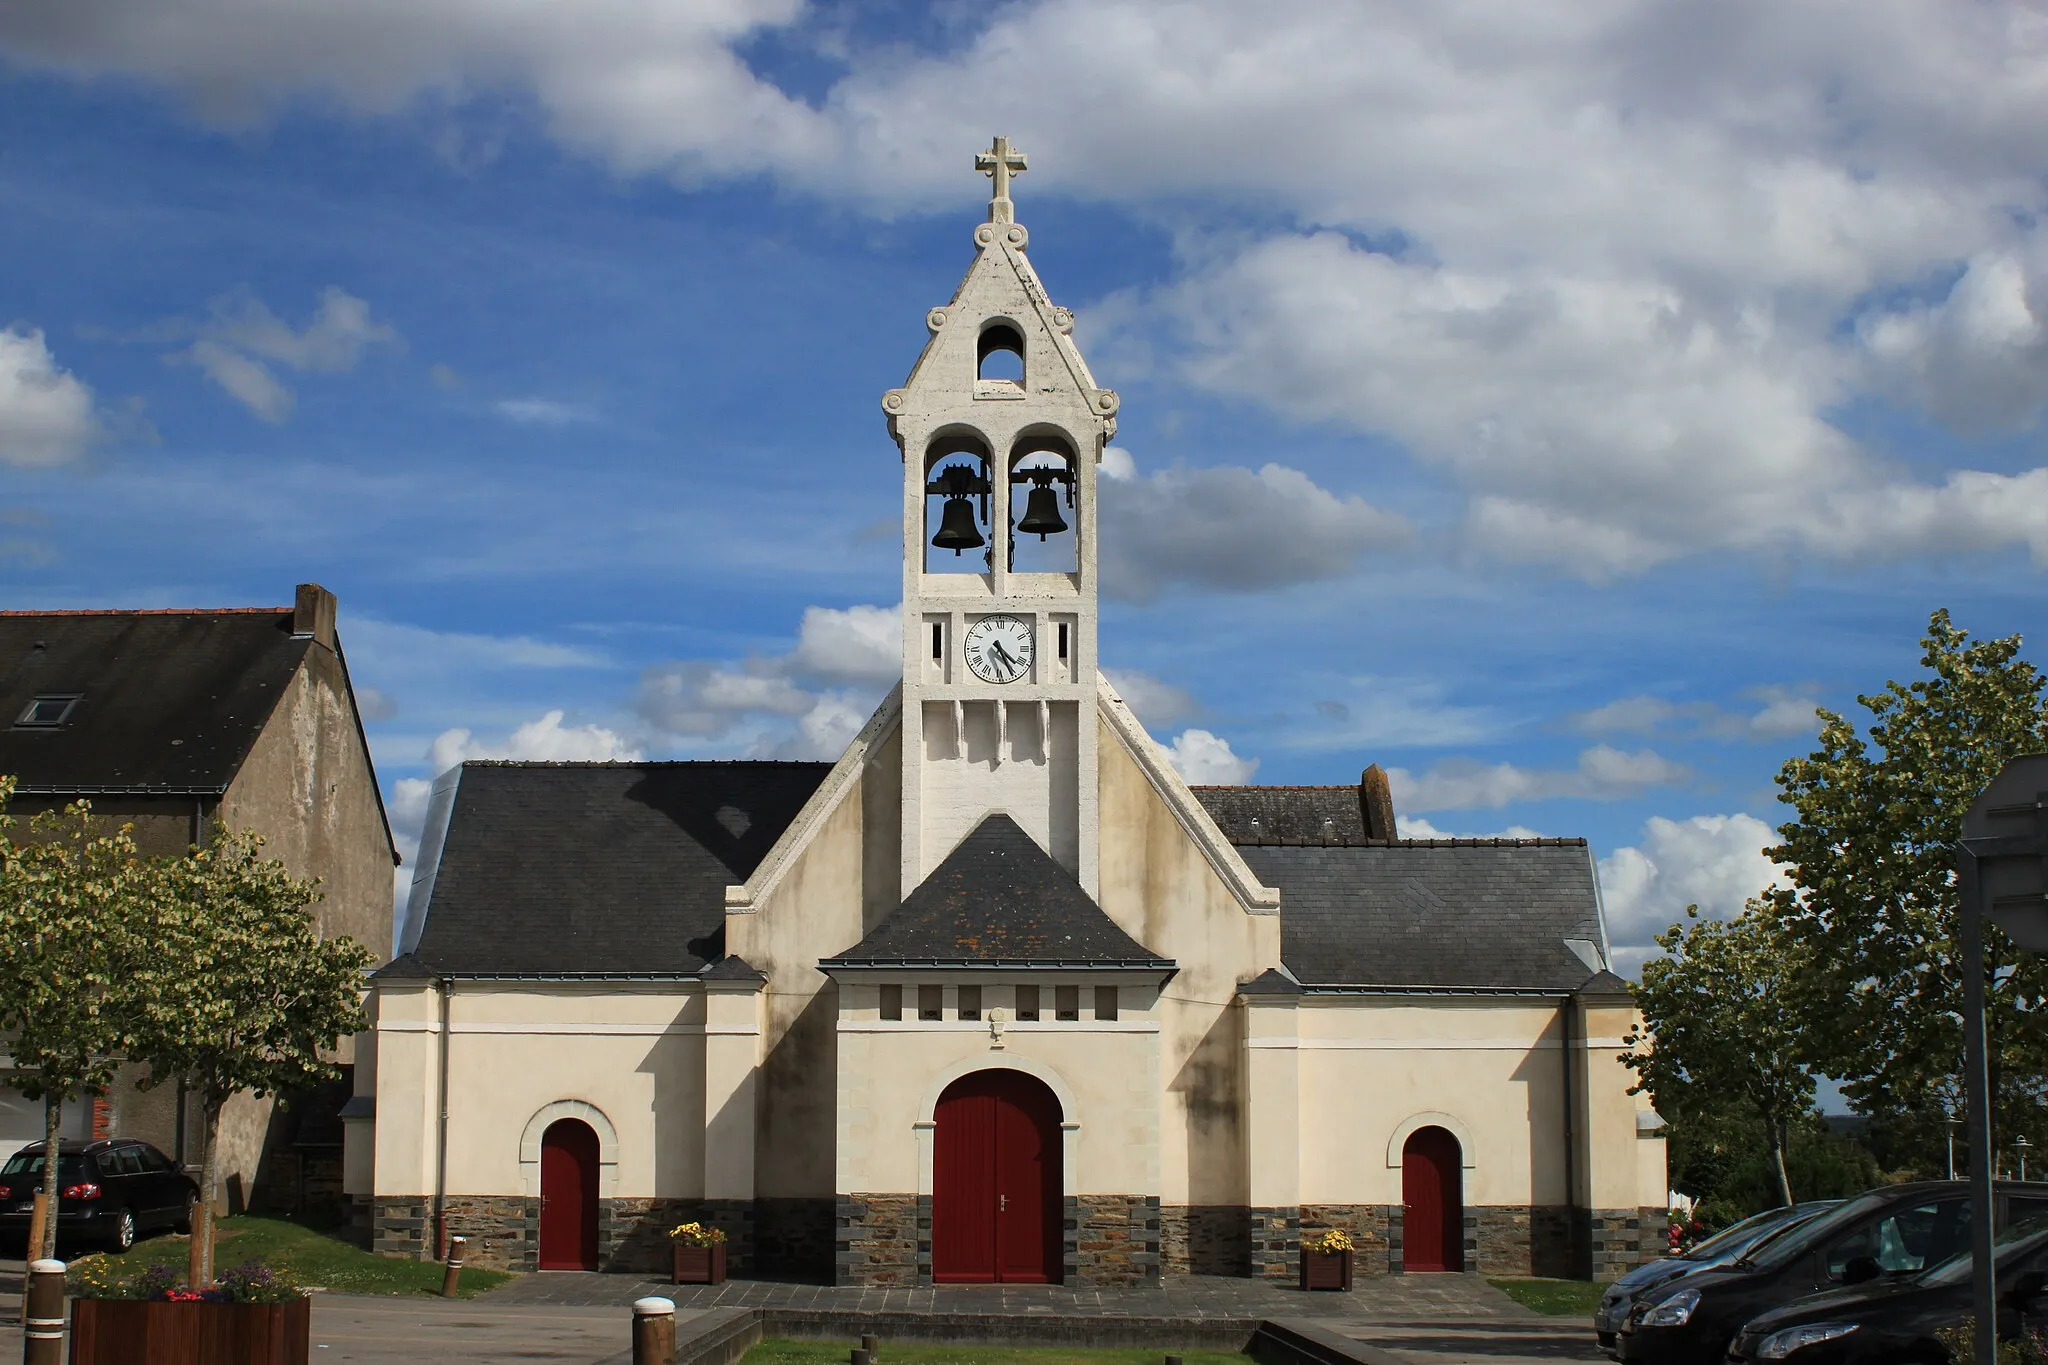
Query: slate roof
[1285, 815]
[599, 869]
[999, 900]
[1434, 915]
[171, 701]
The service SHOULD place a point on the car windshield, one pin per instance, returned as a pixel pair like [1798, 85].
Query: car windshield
[31, 1163]
[1756, 1229]
[1800, 1238]
[2018, 1240]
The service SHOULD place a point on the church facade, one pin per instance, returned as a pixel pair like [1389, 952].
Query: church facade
[996, 996]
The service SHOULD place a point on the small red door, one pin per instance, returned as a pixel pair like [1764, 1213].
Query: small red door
[996, 1181]
[1432, 1202]
[568, 1196]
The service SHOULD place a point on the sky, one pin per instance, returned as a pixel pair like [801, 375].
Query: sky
[1552, 403]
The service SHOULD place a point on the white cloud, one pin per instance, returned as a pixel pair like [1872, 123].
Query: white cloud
[543, 740]
[858, 644]
[243, 333]
[1415, 827]
[1206, 760]
[538, 412]
[46, 413]
[1713, 861]
[1392, 712]
[1233, 529]
[393, 647]
[1978, 358]
[1601, 774]
[1157, 704]
[1778, 713]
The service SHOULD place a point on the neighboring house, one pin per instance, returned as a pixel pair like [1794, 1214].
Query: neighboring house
[997, 996]
[172, 721]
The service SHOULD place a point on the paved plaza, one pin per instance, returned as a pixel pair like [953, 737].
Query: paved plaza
[568, 1318]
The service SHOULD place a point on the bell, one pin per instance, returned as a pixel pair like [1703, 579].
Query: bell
[1042, 513]
[957, 530]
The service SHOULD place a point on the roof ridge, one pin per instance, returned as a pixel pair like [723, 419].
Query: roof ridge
[158, 611]
[1542, 841]
[1274, 787]
[645, 763]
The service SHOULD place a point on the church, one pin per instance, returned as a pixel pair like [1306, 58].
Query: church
[996, 996]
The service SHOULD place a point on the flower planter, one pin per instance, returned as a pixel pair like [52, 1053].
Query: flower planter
[142, 1332]
[699, 1265]
[1326, 1270]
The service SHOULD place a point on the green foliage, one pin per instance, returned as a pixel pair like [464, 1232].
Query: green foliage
[1555, 1298]
[1723, 1168]
[1724, 1042]
[775, 1351]
[1871, 906]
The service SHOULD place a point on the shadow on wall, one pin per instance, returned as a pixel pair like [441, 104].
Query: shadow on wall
[1211, 1084]
[1555, 1166]
[797, 1138]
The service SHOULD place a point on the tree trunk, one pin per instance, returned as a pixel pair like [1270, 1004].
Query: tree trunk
[53, 1123]
[1780, 1138]
[199, 1265]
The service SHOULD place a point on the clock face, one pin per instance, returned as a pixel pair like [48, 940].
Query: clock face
[999, 648]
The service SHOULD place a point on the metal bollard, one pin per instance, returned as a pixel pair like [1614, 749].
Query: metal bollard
[861, 1357]
[654, 1331]
[872, 1344]
[42, 1314]
[1174, 1360]
[452, 1280]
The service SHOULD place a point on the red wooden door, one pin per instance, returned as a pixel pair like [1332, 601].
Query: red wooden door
[1432, 1202]
[568, 1196]
[996, 1182]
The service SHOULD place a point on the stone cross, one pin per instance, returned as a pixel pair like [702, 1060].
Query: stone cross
[999, 163]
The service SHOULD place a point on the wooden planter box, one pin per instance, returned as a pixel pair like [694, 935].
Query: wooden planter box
[139, 1332]
[1326, 1270]
[699, 1265]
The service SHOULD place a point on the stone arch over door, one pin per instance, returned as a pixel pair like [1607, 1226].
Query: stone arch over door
[1070, 1116]
[1430, 1118]
[607, 1144]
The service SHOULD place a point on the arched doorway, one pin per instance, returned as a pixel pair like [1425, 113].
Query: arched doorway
[568, 1196]
[1432, 1201]
[996, 1181]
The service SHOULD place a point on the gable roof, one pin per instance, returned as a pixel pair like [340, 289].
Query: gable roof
[1285, 815]
[170, 701]
[598, 869]
[1436, 915]
[999, 900]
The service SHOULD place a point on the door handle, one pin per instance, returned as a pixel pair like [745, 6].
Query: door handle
[1002, 1203]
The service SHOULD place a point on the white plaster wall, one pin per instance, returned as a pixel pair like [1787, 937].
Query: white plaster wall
[891, 1072]
[1012, 767]
[633, 1051]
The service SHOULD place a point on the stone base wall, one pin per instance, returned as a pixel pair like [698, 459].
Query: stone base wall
[1111, 1239]
[1205, 1239]
[1275, 1243]
[795, 1239]
[1518, 1240]
[882, 1239]
[1370, 1228]
[504, 1230]
[1622, 1239]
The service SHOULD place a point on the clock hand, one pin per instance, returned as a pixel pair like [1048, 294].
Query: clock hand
[1010, 665]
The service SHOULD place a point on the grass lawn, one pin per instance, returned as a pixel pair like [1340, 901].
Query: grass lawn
[313, 1258]
[1554, 1298]
[775, 1351]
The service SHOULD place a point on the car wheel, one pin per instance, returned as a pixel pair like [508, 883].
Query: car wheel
[123, 1235]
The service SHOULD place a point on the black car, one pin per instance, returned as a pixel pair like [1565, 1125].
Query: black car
[1901, 1230]
[1723, 1247]
[109, 1192]
[1893, 1322]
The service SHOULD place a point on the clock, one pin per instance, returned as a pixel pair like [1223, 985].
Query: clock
[999, 648]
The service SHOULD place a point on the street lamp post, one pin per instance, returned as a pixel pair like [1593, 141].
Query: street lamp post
[2021, 1145]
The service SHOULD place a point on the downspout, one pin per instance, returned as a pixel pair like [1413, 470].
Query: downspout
[1571, 1141]
[441, 1144]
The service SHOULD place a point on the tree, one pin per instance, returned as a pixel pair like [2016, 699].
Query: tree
[73, 898]
[241, 993]
[1716, 1035]
[1871, 902]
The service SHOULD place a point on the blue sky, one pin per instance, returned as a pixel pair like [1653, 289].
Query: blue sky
[1550, 403]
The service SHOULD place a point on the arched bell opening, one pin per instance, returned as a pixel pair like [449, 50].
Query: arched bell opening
[1044, 503]
[958, 535]
[999, 353]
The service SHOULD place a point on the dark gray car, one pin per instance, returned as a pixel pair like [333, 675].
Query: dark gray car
[1720, 1249]
[109, 1192]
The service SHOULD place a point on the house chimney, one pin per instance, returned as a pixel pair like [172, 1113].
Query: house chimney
[313, 614]
[1376, 803]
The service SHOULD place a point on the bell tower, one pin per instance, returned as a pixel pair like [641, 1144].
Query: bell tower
[1001, 428]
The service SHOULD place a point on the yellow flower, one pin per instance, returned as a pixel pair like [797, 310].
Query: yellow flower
[1329, 1241]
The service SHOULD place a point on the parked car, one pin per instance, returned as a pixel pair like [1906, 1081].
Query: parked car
[1900, 1230]
[1893, 1322]
[109, 1192]
[1720, 1249]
